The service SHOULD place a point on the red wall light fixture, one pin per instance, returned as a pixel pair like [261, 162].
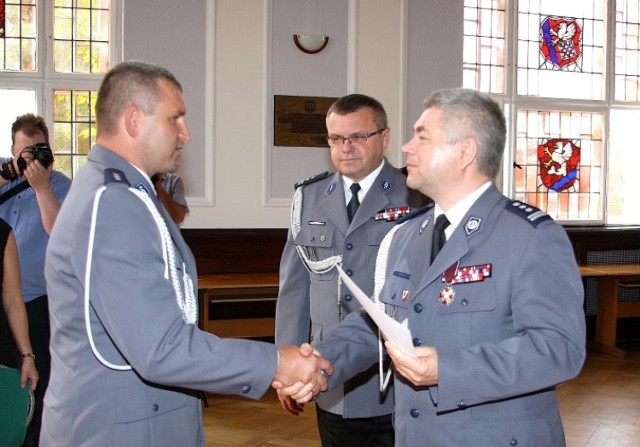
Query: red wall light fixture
[310, 43]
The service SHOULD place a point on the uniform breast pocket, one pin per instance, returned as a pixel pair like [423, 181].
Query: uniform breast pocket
[317, 241]
[470, 316]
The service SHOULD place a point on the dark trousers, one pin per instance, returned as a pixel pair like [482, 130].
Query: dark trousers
[335, 431]
[40, 335]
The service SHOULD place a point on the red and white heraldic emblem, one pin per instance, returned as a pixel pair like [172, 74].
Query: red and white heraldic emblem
[560, 40]
[558, 159]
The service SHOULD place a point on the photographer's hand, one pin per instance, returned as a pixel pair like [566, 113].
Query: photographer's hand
[39, 178]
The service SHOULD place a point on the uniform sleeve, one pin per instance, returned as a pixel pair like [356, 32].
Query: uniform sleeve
[293, 316]
[137, 308]
[351, 348]
[545, 292]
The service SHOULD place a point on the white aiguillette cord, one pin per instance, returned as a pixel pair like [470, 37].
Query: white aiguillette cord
[186, 301]
[379, 278]
[319, 267]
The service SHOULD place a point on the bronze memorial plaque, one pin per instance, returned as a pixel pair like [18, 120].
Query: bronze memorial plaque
[300, 120]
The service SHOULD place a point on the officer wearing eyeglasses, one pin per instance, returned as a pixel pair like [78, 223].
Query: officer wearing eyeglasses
[341, 218]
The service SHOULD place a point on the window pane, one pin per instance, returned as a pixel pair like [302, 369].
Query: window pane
[18, 50]
[563, 46]
[559, 163]
[22, 101]
[81, 36]
[484, 46]
[627, 69]
[74, 128]
[623, 205]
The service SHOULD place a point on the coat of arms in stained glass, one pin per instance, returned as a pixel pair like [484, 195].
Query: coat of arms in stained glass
[561, 43]
[559, 159]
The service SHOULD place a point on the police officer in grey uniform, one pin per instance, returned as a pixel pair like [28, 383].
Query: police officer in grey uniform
[496, 319]
[323, 234]
[127, 354]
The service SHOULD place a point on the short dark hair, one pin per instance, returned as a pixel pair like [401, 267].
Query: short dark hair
[353, 103]
[128, 83]
[469, 113]
[31, 125]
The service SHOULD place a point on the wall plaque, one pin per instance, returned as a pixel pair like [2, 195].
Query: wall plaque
[300, 120]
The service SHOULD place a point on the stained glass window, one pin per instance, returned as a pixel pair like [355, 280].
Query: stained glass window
[561, 49]
[573, 122]
[558, 165]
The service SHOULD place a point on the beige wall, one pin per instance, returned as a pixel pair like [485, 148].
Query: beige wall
[223, 53]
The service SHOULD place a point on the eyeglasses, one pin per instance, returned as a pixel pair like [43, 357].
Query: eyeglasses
[355, 139]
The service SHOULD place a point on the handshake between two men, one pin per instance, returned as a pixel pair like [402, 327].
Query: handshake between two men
[301, 374]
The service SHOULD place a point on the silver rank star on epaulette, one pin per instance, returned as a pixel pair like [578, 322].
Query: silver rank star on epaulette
[528, 212]
[392, 214]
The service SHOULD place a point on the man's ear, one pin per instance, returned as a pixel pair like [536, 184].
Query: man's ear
[132, 117]
[468, 152]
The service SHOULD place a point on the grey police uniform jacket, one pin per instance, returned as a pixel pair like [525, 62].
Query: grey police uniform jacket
[135, 319]
[306, 297]
[507, 338]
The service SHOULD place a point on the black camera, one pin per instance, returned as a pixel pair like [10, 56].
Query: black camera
[39, 151]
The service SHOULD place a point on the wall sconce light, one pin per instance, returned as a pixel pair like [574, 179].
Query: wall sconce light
[310, 43]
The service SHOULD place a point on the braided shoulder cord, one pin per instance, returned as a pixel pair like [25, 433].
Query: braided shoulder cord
[186, 301]
[318, 267]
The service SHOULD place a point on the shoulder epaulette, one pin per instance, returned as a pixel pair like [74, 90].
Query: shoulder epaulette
[527, 212]
[415, 213]
[112, 175]
[310, 180]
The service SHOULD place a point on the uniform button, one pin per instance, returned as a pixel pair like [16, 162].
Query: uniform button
[323, 238]
[349, 246]
[311, 338]
[461, 404]
[464, 302]
[417, 342]
[417, 307]
[347, 297]
[349, 272]
[414, 412]
[513, 442]
[246, 389]
[156, 407]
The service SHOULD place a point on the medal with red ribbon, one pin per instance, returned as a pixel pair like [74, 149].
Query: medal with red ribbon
[447, 294]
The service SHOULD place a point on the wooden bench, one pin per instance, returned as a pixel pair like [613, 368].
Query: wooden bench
[238, 304]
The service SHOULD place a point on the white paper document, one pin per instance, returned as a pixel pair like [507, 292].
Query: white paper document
[393, 331]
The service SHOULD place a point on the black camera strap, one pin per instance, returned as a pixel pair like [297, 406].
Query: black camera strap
[13, 191]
